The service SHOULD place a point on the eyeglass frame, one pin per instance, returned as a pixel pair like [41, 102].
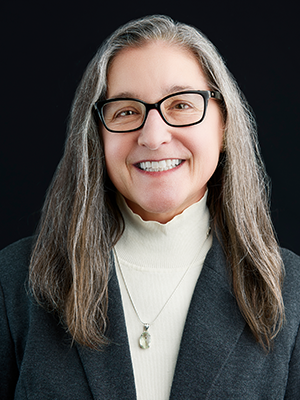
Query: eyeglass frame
[206, 94]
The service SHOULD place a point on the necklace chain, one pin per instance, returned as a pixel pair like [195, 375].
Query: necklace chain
[145, 337]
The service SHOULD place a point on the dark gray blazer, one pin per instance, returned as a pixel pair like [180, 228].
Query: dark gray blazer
[218, 357]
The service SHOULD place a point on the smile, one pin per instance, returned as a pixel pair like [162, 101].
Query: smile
[158, 166]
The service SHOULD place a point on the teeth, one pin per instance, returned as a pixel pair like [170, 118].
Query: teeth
[157, 166]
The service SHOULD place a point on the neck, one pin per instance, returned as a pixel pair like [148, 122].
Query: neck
[155, 245]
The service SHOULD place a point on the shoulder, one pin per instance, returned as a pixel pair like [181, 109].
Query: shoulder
[17, 250]
[292, 268]
[14, 267]
[14, 262]
[291, 287]
[290, 257]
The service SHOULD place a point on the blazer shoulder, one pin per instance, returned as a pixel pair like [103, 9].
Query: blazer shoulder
[289, 255]
[14, 261]
[291, 285]
[291, 263]
[14, 269]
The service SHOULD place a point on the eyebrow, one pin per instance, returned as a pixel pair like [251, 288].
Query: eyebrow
[178, 88]
[166, 92]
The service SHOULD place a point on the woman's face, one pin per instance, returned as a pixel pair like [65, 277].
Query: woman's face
[150, 73]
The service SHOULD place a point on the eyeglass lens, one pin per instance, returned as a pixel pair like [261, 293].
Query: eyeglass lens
[181, 109]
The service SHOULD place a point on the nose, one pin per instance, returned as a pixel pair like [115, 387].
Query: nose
[155, 131]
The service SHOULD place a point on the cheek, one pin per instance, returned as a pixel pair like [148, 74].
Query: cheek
[116, 150]
[110, 152]
[111, 146]
[206, 145]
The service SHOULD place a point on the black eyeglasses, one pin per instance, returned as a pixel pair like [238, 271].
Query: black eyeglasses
[122, 115]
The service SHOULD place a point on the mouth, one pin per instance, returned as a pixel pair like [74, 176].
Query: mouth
[159, 166]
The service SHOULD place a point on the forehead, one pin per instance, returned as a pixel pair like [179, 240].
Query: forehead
[155, 69]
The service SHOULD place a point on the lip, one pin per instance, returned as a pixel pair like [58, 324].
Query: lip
[156, 166]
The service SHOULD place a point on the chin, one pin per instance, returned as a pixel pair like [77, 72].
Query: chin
[160, 210]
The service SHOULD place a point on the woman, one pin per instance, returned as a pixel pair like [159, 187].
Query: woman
[155, 272]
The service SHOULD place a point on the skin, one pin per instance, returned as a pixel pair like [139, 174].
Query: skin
[149, 73]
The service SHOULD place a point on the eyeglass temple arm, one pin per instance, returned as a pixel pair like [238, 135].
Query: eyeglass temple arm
[216, 95]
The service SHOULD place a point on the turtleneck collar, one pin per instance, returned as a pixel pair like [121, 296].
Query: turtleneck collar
[151, 244]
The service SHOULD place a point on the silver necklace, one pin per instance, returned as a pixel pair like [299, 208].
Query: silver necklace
[145, 338]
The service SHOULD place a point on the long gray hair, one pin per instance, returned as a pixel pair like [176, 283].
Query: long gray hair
[81, 222]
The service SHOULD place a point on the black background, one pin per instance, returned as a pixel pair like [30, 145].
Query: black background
[45, 47]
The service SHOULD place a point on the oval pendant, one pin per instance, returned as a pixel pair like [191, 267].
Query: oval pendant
[145, 340]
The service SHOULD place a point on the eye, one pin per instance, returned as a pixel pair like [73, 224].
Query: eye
[182, 106]
[124, 113]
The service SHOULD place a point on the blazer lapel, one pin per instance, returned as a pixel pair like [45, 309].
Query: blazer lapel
[109, 372]
[213, 327]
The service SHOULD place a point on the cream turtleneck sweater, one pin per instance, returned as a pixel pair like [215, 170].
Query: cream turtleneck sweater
[154, 257]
